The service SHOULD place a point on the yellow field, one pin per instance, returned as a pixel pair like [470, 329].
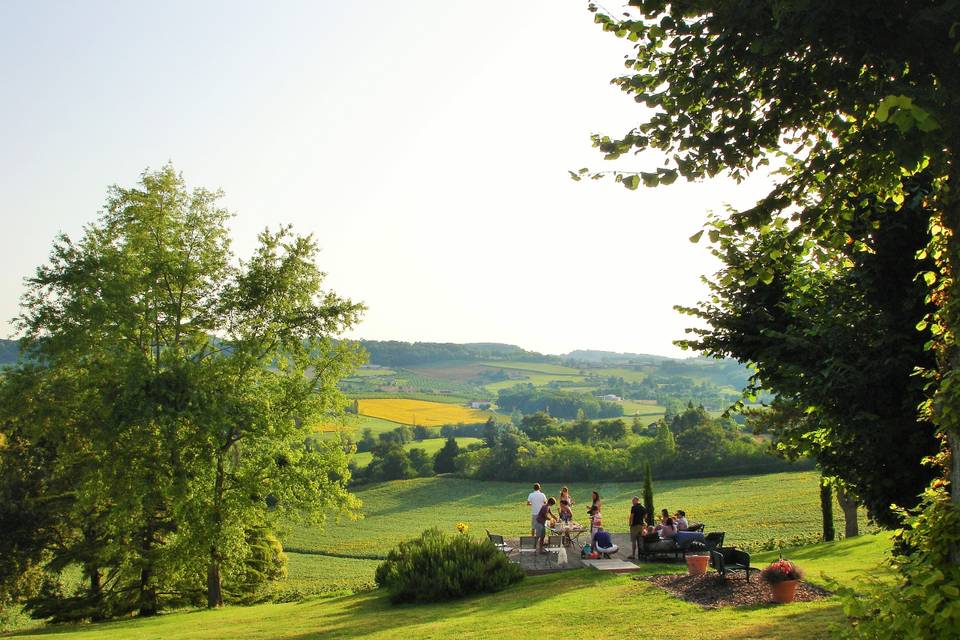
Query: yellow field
[422, 412]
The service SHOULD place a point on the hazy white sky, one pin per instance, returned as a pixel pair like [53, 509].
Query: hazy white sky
[425, 144]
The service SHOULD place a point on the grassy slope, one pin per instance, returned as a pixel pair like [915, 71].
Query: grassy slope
[584, 604]
[750, 509]
[535, 367]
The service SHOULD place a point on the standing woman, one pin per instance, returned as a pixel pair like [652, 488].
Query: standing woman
[565, 495]
[595, 518]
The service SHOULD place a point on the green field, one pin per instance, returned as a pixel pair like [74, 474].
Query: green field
[531, 367]
[628, 375]
[752, 510]
[371, 373]
[536, 379]
[584, 603]
[632, 407]
[431, 446]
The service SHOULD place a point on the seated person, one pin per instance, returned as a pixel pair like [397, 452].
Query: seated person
[566, 514]
[604, 543]
[681, 520]
[668, 530]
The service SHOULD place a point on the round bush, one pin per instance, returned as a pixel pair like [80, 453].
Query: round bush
[437, 567]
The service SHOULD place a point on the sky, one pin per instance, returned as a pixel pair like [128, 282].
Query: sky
[425, 144]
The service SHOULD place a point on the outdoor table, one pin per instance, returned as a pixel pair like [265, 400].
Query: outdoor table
[570, 532]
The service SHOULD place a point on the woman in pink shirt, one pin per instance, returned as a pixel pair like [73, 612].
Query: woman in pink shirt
[668, 529]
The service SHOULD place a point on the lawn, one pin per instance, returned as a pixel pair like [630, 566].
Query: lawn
[431, 446]
[754, 511]
[584, 603]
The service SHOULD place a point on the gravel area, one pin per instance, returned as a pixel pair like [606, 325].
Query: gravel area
[711, 591]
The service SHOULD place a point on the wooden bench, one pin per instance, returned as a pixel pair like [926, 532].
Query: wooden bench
[728, 559]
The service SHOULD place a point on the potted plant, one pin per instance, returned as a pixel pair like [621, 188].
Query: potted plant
[782, 576]
[698, 556]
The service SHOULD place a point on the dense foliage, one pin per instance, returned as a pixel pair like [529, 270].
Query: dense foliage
[686, 445]
[437, 567]
[924, 600]
[529, 399]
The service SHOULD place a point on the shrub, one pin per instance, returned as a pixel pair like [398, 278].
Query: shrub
[437, 567]
[923, 600]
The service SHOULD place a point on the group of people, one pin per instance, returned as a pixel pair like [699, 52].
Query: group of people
[640, 522]
[641, 525]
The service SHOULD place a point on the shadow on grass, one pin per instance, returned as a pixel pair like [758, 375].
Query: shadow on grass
[808, 623]
[407, 620]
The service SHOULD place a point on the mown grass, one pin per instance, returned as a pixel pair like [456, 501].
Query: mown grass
[431, 446]
[584, 604]
[752, 510]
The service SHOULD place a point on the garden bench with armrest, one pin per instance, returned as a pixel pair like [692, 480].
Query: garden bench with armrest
[676, 547]
[728, 559]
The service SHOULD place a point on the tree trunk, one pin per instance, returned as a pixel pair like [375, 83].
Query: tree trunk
[96, 593]
[214, 587]
[826, 507]
[848, 504]
[147, 601]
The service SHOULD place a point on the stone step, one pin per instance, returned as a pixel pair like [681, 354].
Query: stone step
[613, 565]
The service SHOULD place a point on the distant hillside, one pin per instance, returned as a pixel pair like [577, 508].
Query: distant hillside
[9, 351]
[393, 353]
[613, 357]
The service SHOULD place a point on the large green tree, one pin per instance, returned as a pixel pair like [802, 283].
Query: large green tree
[847, 103]
[198, 378]
[844, 99]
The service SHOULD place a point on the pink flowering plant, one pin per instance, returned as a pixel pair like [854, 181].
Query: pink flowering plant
[781, 571]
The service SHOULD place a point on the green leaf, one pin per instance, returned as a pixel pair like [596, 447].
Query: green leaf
[695, 238]
[929, 277]
[631, 182]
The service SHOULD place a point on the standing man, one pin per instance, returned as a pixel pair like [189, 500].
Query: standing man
[638, 515]
[540, 523]
[535, 500]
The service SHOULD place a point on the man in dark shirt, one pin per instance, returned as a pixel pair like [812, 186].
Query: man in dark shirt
[638, 514]
[540, 523]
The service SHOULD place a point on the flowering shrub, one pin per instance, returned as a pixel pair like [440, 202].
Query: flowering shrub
[781, 571]
[462, 527]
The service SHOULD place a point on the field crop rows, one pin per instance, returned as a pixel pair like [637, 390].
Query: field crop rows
[420, 412]
[531, 367]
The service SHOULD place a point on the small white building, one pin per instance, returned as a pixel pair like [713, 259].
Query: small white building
[479, 404]
[611, 398]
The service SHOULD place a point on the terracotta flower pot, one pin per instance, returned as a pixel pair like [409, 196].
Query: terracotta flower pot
[784, 592]
[697, 565]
